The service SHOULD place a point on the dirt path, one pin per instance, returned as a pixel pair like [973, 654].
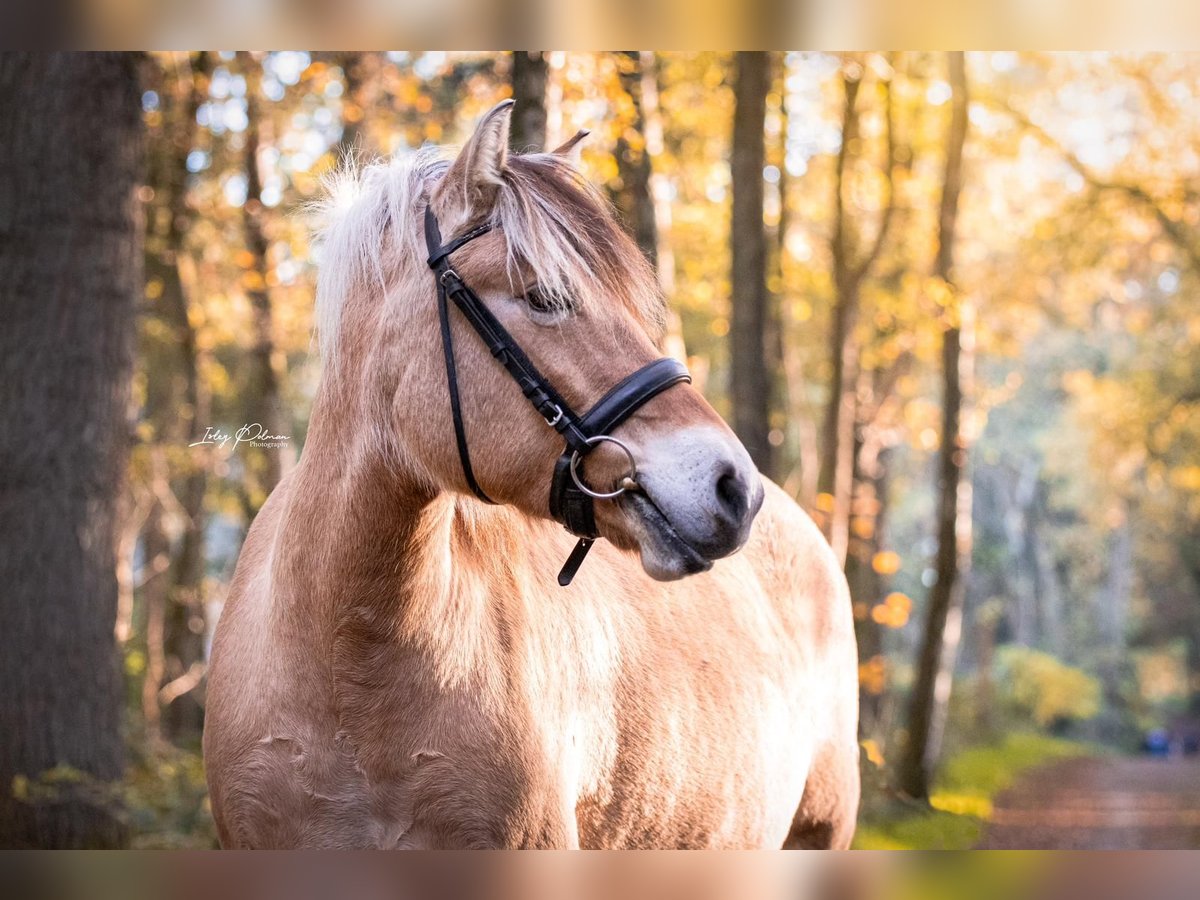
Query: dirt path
[1101, 804]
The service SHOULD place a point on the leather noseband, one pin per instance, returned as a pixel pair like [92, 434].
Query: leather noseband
[571, 500]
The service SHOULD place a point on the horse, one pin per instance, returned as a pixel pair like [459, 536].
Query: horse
[396, 666]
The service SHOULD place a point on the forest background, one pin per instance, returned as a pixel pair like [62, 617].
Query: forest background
[943, 298]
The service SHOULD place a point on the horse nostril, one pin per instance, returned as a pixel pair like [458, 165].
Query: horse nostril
[733, 495]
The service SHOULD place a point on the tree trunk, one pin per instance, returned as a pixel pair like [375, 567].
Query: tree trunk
[70, 251]
[267, 365]
[750, 381]
[156, 548]
[1051, 604]
[353, 112]
[1112, 607]
[835, 482]
[644, 200]
[529, 70]
[837, 451]
[939, 645]
[635, 200]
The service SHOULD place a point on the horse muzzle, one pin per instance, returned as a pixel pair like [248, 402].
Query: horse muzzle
[698, 496]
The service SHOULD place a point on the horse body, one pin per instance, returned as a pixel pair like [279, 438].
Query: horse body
[475, 703]
[395, 665]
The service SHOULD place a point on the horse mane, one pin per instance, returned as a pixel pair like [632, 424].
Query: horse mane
[555, 223]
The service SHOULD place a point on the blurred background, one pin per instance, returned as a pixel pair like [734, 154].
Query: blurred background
[946, 300]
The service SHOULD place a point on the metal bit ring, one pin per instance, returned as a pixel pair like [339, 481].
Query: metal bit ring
[629, 482]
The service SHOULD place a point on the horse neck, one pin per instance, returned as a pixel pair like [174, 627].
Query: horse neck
[374, 554]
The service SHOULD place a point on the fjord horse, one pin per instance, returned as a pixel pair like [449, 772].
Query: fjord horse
[396, 666]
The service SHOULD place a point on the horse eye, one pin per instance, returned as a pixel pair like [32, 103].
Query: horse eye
[537, 302]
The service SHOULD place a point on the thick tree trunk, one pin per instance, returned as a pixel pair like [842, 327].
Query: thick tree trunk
[529, 70]
[750, 380]
[939, 645]
[71, 258]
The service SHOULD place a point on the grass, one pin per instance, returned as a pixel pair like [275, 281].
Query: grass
[960, 805]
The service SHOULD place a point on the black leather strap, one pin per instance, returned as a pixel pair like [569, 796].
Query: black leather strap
[436, 253]
[437, 260]
[629, 394]
[533, 384]
[460, 429]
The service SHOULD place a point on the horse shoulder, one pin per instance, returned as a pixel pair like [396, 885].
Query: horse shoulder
[799, 569]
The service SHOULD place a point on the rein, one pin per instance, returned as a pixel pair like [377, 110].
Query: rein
[571, 500]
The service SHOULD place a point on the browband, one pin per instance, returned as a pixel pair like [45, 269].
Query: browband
[569, 504]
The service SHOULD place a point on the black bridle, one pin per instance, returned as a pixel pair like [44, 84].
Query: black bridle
[570, 498]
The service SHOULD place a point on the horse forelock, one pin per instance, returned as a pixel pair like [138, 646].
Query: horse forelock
[555, 223]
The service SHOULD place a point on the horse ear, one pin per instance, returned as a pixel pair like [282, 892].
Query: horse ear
[468, 191]
[571, 147]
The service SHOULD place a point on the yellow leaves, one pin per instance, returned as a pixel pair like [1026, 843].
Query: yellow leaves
[968, 804]
[1186, 478]
[893, 612]
[154, 288]
[872, 675]
[940, 292]
[253, 281]
[605, 168]
[886, 562]
[1048, 689]
[135, 663]
[873, 752]
[825, 502]
[244, 259]
[719, 326]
